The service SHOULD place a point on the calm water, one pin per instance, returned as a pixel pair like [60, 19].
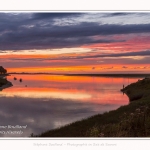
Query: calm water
[43, 102]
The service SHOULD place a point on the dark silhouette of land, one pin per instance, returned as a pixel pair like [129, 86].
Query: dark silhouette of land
[4, 83]
[96, 75]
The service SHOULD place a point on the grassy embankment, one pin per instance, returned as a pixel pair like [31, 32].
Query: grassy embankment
[132, 120]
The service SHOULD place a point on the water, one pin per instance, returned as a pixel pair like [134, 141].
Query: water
[43, 102]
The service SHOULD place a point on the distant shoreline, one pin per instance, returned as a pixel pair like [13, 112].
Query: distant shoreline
[93, 75]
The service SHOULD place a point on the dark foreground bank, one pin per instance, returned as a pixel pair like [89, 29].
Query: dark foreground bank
[132, 120]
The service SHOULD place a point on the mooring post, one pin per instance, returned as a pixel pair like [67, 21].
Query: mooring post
[123, 89]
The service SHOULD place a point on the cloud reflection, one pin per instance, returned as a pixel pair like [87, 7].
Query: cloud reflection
[45, 114]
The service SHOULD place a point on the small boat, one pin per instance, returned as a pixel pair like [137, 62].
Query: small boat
[15, 78]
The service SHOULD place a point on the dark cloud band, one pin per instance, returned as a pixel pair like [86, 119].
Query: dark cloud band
[40, 31]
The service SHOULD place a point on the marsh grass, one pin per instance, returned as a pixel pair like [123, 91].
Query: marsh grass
[135, 124]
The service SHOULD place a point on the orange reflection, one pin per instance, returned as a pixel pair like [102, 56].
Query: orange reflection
[99, 90]
[72, 79]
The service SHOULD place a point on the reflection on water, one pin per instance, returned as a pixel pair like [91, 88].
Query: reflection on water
[44, 102]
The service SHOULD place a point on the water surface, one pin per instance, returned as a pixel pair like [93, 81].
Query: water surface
[43, 102]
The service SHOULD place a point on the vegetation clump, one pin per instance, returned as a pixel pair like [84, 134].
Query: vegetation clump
[2, 70]
[138, 90]
[135, 124]
[3, 82]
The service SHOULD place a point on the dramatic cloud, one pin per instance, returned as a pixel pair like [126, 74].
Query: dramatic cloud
[139, 53]
[124, 67]
[40, 31]
[54, 15]
[116, 14]
[75, 39]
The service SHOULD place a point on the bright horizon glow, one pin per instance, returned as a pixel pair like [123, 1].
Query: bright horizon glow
[85, 69]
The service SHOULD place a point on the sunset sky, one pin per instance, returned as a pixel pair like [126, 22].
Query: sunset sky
[88, 42]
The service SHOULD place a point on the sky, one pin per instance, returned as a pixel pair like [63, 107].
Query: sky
[75, 42]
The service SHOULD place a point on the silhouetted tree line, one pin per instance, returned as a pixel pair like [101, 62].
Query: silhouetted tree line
[2, 70]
